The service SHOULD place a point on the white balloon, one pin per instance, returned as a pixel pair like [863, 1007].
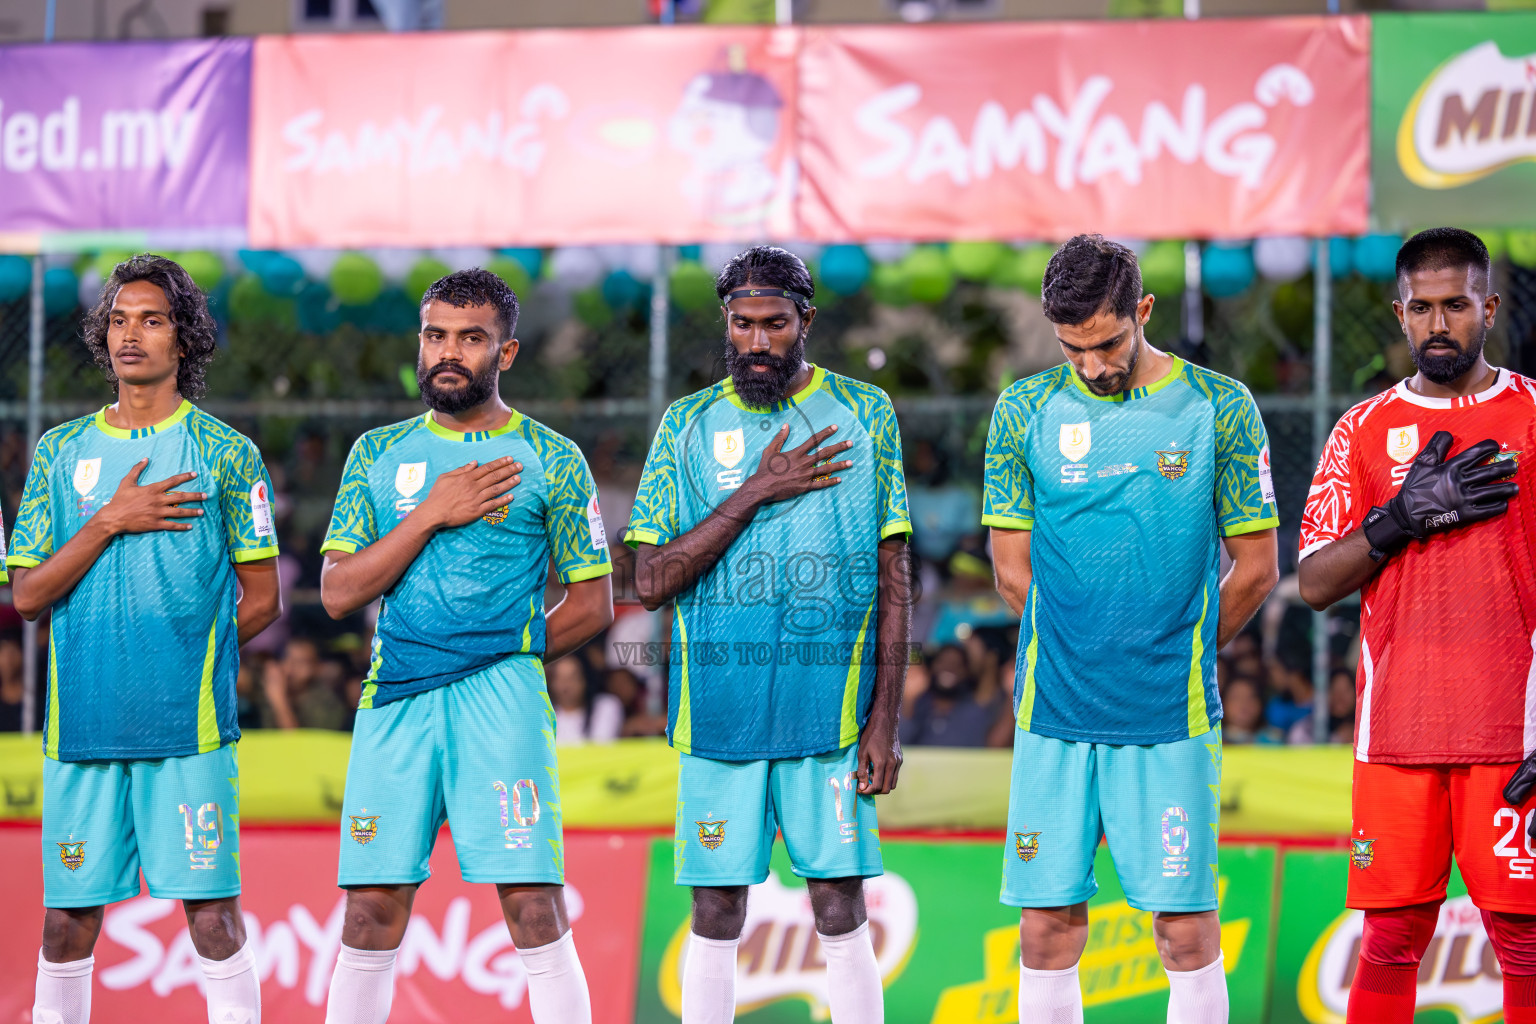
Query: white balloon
[640, 260]
[395, 264]
[317, 263]
[715, 255]
[887, 252]
[1282, 259]
[90, 287]
[576, 266]
[808, 252]
[464, 257]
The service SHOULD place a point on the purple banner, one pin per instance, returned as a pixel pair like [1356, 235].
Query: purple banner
[124, 137]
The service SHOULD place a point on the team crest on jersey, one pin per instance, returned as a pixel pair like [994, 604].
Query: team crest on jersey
[730, 446]
[87, 475]
[1403, 443]
[1362, 852]
[1026, 845]
[73, 854]
[1075, 440]
[365, 829]
[1172, 464]
[1506, 456]
[409, 477]
[711, 834]
[496, 516]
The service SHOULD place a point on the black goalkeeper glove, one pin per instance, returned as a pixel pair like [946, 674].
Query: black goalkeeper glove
[1519, 787]
[1438, 495]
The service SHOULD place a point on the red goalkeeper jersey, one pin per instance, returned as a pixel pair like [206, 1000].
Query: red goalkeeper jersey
[1447, 624]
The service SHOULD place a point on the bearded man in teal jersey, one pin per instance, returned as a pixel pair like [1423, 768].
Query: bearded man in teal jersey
[772, 517]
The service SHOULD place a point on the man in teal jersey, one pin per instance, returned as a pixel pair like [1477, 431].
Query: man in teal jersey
[452, 519]
[790, 593]
[144, 641]
[1111, 483]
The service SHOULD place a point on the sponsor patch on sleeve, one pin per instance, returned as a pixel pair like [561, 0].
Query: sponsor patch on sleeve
[1266, 478]
[595, 525]
[261, 510]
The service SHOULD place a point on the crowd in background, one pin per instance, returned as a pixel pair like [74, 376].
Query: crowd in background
[307, 671]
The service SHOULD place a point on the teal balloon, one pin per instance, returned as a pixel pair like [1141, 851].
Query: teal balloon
[844, 269]
[61, 290]
[690, 252]
[319, 312]
[391, 313]
[693, 287]
[281, 275]
[621, 289]
[355, 279]
[15, 278]
[250, 302]
[1341, 257]
[532, 260]
[1226, 270]
[1376, 256]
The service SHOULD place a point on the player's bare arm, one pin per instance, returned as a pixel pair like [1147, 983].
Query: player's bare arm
[1010, 566]
[666, 570]
[350, 581]
[1255, 571]
[261, 597]
[585, 611]
[134, 508]
[879, 755]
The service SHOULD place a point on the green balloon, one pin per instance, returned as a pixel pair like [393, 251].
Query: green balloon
[1522, 249]
[106, 262]
[977, 261]
[355, 279]
[1494, 239]
[591, 308]
[513, 273]
[1024, 269]
[205, 268]
[929, 276]
[889, 284]
[693, 287]
[249, 301]
[422, 276]
[1162, 269]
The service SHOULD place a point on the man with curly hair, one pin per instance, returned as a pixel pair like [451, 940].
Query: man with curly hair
[153, 586]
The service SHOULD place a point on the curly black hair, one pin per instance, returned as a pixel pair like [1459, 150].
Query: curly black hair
[196, 332]
[476, 287]
[1089, 273]
[770, 267]
[1442, 248]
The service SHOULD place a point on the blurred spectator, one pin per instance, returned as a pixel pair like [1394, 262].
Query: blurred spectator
[942, 511]
[303, 692]
[13, 687]
[1290, 697]
[1341, 712]
[1242, 706]
[630, 691]
[942, 707]
[970, 602]
[581, 714]
[252, 710]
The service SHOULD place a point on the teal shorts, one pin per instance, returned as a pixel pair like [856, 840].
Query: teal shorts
[479, 754]
[177, 819]
[1159, 806]
[728, 813]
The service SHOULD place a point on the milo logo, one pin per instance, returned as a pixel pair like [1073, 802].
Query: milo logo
[1473, 115]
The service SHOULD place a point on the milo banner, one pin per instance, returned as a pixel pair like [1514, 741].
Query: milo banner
[1318, 946]
[949, 952]
[1454, 120]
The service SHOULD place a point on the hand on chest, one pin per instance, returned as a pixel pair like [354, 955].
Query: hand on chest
[1084, 458]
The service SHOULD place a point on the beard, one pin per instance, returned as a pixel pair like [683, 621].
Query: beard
[1443, 369]
[762, 388]
[1117, 381]
[478, 389]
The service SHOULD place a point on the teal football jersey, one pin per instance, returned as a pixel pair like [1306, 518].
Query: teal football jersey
[1126, 498]
[475, 594]
[143, 653]
[766, 645]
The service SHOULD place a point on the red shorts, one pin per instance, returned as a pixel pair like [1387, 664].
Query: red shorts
[1409, 818]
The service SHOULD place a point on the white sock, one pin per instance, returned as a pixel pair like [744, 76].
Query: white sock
[362, 986]
[709, 981]
[557, 986]
[63, 991]
[234, 993]
[854, 992]
[1198, 997]
[1050, 997]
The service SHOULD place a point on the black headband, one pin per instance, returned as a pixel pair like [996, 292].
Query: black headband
[781, 293]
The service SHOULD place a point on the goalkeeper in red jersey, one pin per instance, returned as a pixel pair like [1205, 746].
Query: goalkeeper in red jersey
[1416, 504]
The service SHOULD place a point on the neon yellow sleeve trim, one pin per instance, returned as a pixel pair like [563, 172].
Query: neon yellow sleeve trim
[586, 572]
[899, 526]
[339, 545]
[634, 538]
[1008, 522]
[4, 578]
[254, 554]
[1253, 527]
[23, 561]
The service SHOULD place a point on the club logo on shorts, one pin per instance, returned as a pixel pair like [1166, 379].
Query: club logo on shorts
[1026, 845]
[1075, 440]
[365, 829]
[1362, 852]
[72, 854]
[1403, 443]
[496, 516]
[1172, 464]
[711, 834]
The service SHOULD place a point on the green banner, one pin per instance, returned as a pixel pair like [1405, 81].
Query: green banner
[1318, 943]
[1453, 122]
[948, 950]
